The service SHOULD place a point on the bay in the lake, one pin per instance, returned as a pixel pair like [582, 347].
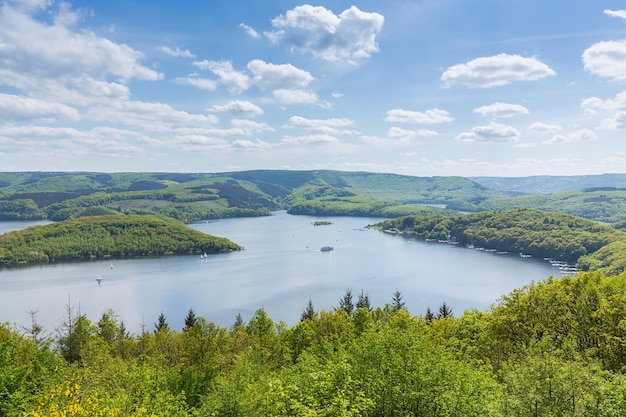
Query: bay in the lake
[280, 269]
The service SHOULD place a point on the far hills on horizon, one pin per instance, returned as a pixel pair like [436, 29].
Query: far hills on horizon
[197, 196]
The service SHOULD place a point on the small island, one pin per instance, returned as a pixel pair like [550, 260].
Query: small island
[108, 236]
[322, 223]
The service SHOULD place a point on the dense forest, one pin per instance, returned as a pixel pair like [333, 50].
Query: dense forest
[107, 236]
[527, 231]
[551, 348]
[196, 196]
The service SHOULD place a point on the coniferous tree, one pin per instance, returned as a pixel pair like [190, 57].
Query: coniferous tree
[238, 321]
[445, 311]
[397, 303]
[190, 320]
[161, 324]
[36, 330]
[430, 316]
[364, 301]
[345, 303]
[309, 312]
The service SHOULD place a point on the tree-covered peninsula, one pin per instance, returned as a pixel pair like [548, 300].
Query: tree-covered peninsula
[108, 236]
[528, 231]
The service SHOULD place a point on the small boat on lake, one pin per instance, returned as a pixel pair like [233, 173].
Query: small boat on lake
[326, 248]
[99, 279]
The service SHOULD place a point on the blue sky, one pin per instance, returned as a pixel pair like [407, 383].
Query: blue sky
[425, 88]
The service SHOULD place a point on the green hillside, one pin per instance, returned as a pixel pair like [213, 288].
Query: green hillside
[528, 231]
[190, 197]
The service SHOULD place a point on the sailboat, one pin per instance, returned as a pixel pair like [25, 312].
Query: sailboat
[99, 278]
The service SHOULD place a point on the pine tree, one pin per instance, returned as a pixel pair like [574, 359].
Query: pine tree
[429, 314]
[345, 303]
[363, 301]
[161, 324]
[397, 303]
[309, 312]
[190, 320]
[445, 311]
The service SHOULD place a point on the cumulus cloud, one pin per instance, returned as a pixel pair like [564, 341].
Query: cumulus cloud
[195, 81]
[244, 108]
[268, 76]
[315, 30]
[493, 132]
[332, 126]
[250, 31]
[497, 70]
[22, 108]
[176, 52]
[501, 110]
[538, 127]
[433, 116]
[616, 13]
[593, 105]
[606, 59]
[235, 81]
[406, 134]
[286, 96]
[577, 136]
[248, 145]
[616, 121]
[41, 49]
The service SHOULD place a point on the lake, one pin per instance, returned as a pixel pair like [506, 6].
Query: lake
[280, 269]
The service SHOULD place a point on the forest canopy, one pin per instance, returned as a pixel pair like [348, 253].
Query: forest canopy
[107, 236]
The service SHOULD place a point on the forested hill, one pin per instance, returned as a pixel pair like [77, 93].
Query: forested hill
[113, 236]
[190, 197]
[545, 184]
[528, 231]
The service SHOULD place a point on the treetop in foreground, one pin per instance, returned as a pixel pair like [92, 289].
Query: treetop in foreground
[109, 236]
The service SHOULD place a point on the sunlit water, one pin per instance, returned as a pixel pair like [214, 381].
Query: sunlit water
[280, 269]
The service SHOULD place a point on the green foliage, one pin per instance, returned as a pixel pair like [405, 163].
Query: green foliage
[107, 236]
[553, 348]
[600, 204]
[529, 231]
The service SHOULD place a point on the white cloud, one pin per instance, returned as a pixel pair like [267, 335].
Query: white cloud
[176, 52]
[316, 30]
[577, 136]
[235, 81]
[538, 127]
[250, 31]
[149, 116]
[244, 108]
[22, 108]
[592, 105]
[309, 140]
[248, 145]
[406, 134]
[286, 96]
[616, 121]
[501, 110]
[433, 116]
[195, 81]
[497, 70]
[269, 76]
[493, 132]
[37, 48]
[606, 59]
[616, 13]
[321, 126]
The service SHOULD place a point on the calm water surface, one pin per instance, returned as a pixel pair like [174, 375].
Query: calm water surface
[279, 270]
